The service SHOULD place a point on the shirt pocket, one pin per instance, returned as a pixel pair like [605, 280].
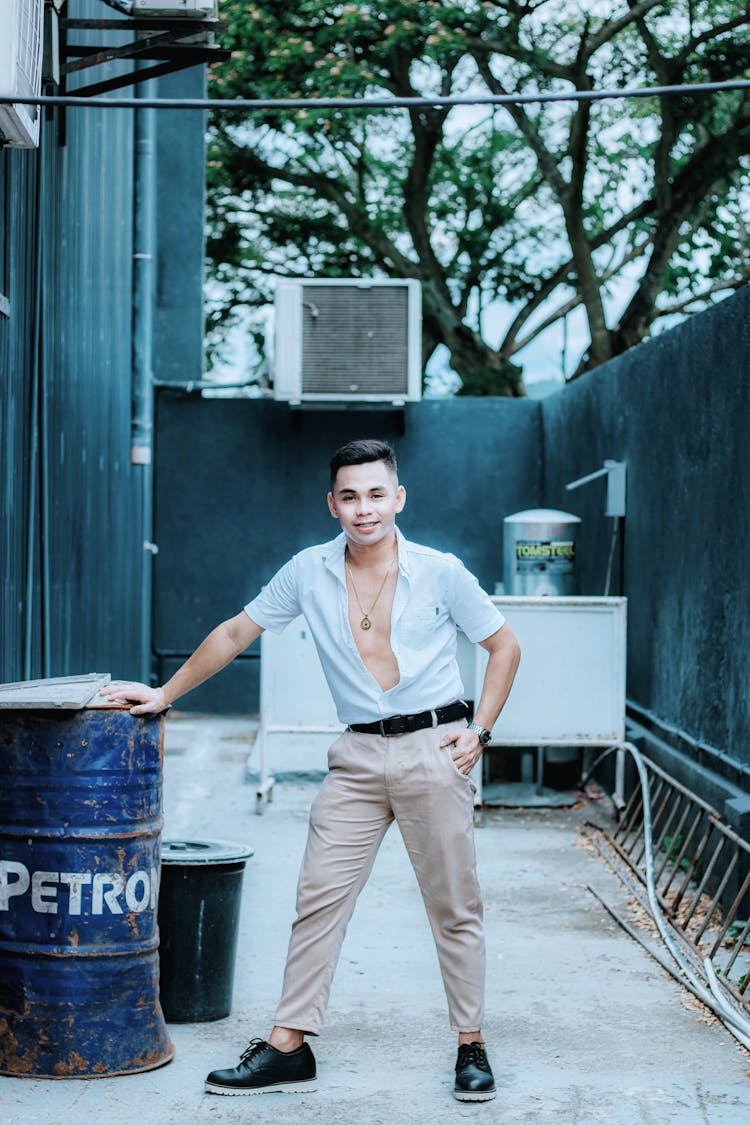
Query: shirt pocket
[419, 624]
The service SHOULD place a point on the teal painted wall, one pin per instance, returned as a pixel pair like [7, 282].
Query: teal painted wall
[677, 410]
[241, 486]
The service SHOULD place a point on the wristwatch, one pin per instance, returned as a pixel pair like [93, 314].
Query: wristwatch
[482, 733]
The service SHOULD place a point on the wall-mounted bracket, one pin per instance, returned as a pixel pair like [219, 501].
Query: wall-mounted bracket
[176, 42]
[616, 473]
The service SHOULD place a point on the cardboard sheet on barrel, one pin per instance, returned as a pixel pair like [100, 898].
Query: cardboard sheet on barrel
[69, 693]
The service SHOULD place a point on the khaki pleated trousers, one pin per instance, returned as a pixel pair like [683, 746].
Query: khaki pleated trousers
[372, 781]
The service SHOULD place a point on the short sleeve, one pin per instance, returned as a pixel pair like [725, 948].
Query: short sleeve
[277, 603]
[471, 608]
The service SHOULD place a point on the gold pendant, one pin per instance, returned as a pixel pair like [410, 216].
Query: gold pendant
[365, 623]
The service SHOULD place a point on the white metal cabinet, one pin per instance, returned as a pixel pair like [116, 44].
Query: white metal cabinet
[298, 720]
[570, 686]
[569, 691]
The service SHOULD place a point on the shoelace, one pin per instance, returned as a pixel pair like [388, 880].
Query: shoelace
[472, 1053]
[252, 1049]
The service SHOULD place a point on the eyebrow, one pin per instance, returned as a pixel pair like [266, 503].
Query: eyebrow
[375, 488]
[348, 491]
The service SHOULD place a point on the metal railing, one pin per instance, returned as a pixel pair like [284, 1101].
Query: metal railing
[701, 872]
[692, 873]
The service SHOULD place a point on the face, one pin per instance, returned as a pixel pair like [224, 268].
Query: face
[365, 500]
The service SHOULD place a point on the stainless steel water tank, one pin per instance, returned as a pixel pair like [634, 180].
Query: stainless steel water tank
[539, 553]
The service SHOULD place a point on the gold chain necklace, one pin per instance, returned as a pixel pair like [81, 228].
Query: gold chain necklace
[366, 623]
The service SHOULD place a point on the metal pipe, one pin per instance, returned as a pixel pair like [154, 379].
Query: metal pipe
[735, 1022]
[718, 1007]
[44, 467]
[183, 654]
[191, 385]
[585, 480]
[142, 424]
[217, 105]
[720, 758]
[32, 536]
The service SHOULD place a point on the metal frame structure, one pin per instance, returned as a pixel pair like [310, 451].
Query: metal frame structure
[700, 872]
[177, 42]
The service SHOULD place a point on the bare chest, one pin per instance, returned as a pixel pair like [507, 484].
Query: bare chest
[370, 607]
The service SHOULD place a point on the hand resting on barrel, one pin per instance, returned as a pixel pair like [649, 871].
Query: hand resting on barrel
[149, 700]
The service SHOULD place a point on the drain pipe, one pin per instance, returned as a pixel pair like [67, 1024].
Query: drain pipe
[142, 423]
[33, 537]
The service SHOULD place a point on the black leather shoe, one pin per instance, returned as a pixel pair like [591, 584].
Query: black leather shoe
[474, 1081]
[263, 1070]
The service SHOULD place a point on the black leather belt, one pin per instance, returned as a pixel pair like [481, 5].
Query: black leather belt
[404, 724]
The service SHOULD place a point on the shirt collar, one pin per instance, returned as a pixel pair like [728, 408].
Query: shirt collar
[334, 558]
[403, 553]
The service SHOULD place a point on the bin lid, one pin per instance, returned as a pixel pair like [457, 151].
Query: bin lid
[191, 853]
[542, 515]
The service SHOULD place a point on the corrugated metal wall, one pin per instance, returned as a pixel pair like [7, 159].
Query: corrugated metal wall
[71, 547]
[17, 397]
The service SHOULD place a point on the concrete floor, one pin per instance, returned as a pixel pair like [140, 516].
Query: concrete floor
[583, 1029]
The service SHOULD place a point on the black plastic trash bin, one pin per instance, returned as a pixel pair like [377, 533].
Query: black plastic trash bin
[199, 912]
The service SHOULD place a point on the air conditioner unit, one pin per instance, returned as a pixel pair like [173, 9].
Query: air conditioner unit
[21, 44]
[197, 9]
[348, 340]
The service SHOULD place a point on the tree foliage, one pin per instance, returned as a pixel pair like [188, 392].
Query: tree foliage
[624, 209]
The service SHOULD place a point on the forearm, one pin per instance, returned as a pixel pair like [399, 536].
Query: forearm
[504, 655]
[214, 653]
[218, 649]
[504, 658]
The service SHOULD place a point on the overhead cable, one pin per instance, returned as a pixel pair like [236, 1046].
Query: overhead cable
[232, 105]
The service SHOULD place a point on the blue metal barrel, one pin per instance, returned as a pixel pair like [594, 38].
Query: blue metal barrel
[80, 824]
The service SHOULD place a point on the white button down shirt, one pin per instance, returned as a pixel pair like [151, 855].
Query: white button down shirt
[435, 593]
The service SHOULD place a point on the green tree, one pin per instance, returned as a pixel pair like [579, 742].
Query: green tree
[552, 207]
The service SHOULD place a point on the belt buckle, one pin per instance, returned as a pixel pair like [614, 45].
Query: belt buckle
[434, 718]
[399, 724]
[381, 724]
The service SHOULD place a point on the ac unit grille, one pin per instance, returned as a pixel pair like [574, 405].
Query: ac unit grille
[354, 340]
[30, 49]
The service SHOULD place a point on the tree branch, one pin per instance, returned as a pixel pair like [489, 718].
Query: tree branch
[612, 28]
[564, 271]
[545, 159]
[712, 33]
[706, 170]
[569, 196]
[717, 287]
[578, 147]
[667, 72]
[574, 301]
[329, 189]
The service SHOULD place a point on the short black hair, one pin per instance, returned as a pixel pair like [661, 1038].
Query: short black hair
[360, 452]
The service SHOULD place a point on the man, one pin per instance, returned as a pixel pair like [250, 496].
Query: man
[383, 613]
